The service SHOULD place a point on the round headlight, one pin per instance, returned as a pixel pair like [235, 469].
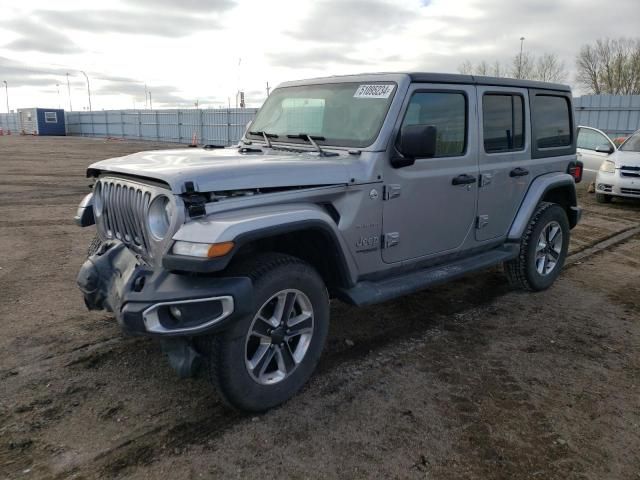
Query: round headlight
[97, 199]
[159, 216]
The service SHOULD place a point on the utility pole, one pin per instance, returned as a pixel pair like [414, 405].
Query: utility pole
[88, 88]
[150, 102]
[520, 62]
[6, 91]
[268, 89]
[146, 95]
[58, 89]
[69, 92]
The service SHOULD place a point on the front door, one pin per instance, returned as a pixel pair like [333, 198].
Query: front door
[588, 140]
[504, 153]
[429, 207]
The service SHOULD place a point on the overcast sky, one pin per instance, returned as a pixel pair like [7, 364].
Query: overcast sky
[188, 50]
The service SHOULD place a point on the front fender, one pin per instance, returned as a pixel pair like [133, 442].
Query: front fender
[537, 190]
[244, 226]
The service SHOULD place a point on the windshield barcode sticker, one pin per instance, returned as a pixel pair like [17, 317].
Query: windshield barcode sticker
[373, 91]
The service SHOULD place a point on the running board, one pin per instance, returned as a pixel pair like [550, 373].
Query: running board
[370, 292]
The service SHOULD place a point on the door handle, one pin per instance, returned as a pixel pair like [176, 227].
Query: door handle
[518, 172]
[463, 179]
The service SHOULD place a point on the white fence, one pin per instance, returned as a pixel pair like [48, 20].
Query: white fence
[210, 126]
[9, 122]
[616, 115]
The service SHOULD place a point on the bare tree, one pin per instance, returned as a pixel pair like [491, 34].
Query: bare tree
[547, 68]
[610, 66]
[497, 69]
[550, 69]
[481, 68]
[523, 66]
[466, 68]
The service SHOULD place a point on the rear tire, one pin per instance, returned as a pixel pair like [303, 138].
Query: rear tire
[543, 249]
[603, 198]
[264, 359]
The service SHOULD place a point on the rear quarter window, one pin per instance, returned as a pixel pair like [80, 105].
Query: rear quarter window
[553, 130]
[553, 121]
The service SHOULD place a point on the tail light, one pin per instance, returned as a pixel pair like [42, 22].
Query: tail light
[575, 170]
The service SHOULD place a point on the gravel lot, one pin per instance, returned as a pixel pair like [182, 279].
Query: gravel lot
[468, 380]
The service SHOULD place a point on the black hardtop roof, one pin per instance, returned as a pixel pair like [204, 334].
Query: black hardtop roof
[481, 80]
[427, 77]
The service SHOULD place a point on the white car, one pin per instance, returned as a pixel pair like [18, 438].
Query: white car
[593, 147]
[619, 174]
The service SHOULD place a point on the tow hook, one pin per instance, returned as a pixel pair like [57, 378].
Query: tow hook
[182, 357]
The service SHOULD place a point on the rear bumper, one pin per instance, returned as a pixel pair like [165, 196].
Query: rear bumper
[157, 302]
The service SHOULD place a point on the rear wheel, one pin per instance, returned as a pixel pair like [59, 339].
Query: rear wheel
[266, 357]
[543, 249]
[603, 198]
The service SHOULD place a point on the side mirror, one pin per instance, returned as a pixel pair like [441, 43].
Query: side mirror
[605, 148]
[416, 141]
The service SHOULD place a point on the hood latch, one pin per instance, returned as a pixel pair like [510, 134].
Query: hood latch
[195, 202]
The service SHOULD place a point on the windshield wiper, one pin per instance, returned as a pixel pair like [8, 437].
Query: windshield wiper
[311, 139]
[265, 135]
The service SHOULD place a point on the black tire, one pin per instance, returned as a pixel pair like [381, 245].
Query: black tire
[603, 198]
[225, 354]
[522, 272]
[94, 246]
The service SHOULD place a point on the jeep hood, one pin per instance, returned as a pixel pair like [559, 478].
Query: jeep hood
[228, 169]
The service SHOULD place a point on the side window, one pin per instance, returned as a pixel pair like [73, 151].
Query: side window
[51, 117]
[503, 122]
[445, 111]
[590, 139]
[552, 121]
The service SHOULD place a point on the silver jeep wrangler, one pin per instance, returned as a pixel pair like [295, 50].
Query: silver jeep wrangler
[361, 188]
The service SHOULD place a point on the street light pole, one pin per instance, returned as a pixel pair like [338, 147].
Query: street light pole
[520, 62]
[58, 88]
[69, 93]
[88, 88]
[6, 90]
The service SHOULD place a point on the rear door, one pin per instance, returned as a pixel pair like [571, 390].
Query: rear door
[588, 140]
[504, 158]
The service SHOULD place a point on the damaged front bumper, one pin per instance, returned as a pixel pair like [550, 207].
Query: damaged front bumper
[158, 302]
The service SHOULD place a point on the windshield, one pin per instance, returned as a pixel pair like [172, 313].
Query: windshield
[632, 144]
[340, 114]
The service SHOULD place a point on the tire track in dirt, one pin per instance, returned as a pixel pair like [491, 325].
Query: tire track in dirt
[147, 445]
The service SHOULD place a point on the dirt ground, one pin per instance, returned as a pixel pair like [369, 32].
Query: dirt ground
[467, 380]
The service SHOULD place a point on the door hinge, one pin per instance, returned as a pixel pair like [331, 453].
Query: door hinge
[391, 191]
[485, 179]
[482, 221]
[391, 239]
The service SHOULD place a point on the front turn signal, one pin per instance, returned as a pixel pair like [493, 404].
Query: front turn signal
[202, 250]
[219, 249]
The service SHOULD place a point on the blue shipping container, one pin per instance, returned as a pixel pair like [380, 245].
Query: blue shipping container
[42, 121]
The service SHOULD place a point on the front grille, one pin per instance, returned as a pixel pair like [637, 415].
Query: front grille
[123, 212]
[630, 191]
[627, 172]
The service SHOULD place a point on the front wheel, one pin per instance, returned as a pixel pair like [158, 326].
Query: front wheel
[543, 249]
[266, 357]
[603, 198]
